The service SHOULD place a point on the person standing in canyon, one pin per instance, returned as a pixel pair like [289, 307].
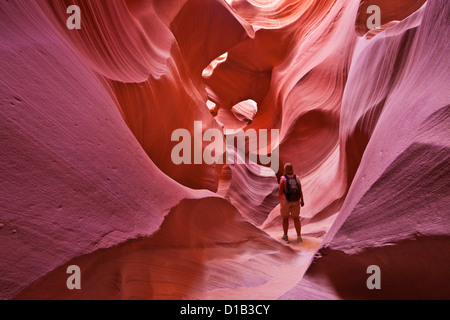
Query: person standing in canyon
[291, 198]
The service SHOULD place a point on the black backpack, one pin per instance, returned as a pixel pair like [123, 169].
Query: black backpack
[292, 189]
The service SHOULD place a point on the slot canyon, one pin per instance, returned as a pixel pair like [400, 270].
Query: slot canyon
[87, 176]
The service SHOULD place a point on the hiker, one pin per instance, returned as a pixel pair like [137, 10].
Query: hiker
[291, 197]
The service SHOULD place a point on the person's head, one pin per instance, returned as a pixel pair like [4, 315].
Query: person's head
[288, 169]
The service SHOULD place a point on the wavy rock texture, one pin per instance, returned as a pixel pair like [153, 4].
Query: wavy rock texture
[85, 148]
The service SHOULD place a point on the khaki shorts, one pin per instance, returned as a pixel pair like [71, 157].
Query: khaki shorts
[290, 209]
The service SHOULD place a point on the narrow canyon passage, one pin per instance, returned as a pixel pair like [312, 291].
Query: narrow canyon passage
[143, 142]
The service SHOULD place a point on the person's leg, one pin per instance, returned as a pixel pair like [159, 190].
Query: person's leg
[285, 225]
[295, 212]
[284, 208]
[298, 226]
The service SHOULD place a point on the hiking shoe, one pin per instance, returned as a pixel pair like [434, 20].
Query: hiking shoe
[299, 239]
[285, 238]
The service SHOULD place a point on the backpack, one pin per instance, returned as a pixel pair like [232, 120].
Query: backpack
[292, 189]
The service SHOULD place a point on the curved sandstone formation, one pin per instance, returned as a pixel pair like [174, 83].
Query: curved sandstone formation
[86, 136]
